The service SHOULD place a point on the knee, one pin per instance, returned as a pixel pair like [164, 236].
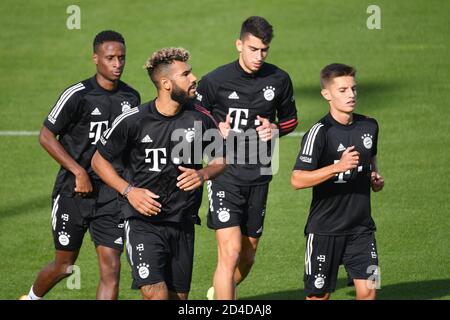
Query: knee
[229, 256]
[109, 263]
[110, 272]
[110, 268]
[366, 294]
[229, 250]
[63, 268]
[157, 291]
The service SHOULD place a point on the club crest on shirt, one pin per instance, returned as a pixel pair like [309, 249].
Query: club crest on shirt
[125, 106]
[367, 140]
[269, 93]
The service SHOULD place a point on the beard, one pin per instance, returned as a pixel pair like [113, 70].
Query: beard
[180, 96]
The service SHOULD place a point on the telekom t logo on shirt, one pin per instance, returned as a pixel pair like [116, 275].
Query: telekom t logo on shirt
[238, 118]
[96, 130]
[156, 157]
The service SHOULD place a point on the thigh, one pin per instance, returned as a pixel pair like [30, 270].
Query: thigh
[226, 205]
[255, 211]
[107, 227]
[68, 224]
[147, 252]
[179, 272]
[361, 258]
[322, 259]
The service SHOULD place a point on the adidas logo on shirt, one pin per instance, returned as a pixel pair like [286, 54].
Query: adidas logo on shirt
[340, 148]
[146, 139]
[233, 95]
[119, 241]
[96, 112]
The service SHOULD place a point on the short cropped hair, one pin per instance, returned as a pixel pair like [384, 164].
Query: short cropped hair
[107, 35]
[163, 58]
[258, 27]
[335, 70]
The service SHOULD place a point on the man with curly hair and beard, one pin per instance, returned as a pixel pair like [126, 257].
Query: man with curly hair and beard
[161, 191]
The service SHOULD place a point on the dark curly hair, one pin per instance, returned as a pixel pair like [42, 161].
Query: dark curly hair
[107, 35]
[163, 58]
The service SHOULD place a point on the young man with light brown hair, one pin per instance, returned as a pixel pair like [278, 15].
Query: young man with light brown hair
[338, 160]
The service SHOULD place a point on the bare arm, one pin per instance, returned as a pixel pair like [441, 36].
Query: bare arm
[191, 179]
[376, 180]
[142, 200]
[301, 179]
[49, 142]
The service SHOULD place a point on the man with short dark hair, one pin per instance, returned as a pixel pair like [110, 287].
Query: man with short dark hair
[80, 199]
[338, 159]
[253, 101]
[161, 187]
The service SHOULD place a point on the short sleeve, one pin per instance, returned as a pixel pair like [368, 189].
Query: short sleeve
[312, 145]
[213, 142]
[66, 109]
[114, 140]
[205, 94]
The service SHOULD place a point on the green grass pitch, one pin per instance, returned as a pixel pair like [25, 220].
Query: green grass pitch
[404, 82]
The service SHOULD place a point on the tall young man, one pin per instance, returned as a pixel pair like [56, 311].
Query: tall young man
[244, 96]
[80, 200]
[160, 185]
[338, 159]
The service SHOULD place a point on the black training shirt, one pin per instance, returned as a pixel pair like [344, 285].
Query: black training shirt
[267, 93]
[340, 205]
[143, 137]
[79, 117]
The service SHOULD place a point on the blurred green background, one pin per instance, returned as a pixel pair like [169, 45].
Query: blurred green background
[403, 81]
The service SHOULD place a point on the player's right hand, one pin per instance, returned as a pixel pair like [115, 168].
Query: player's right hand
[83, 185]
[144, 202]
[349, 160]
[225, 127]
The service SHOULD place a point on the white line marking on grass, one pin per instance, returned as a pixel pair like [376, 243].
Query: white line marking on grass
[296, 134]
[18, 133]
[35, 133]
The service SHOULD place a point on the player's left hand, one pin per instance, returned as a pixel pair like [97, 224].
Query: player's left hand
[266, 129]
[376, 181]
[190, 179]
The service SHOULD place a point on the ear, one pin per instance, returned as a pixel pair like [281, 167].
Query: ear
[239, 45]
[95, 58]
[165, 83]
[326, 94]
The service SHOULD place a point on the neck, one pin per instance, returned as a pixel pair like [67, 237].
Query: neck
[166, 106]
[342, 117]
[105, 83]
[242, 64]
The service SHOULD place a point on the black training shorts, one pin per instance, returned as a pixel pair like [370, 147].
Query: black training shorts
[233, 205]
